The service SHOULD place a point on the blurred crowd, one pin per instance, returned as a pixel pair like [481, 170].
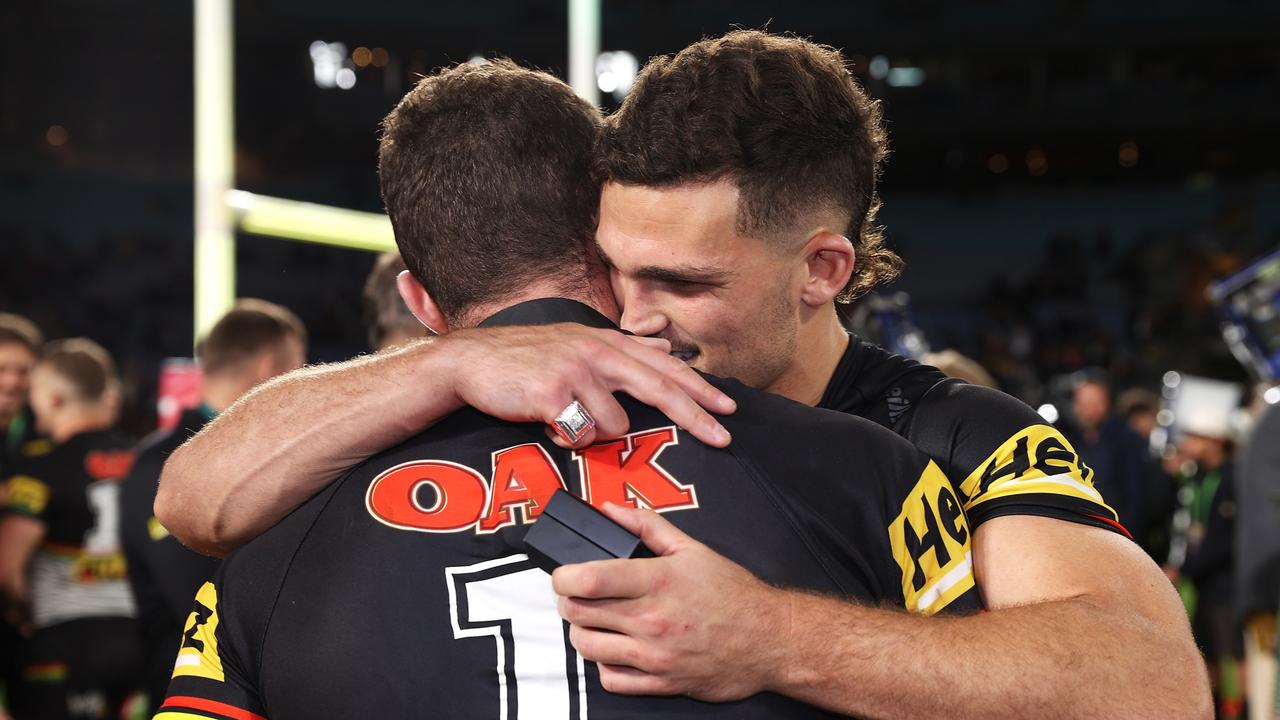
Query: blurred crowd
[1190, 463]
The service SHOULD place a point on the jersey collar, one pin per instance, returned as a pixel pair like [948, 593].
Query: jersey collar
[546, 311]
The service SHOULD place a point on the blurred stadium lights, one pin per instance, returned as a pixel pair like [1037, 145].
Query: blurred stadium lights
[616, 72]
[1037, 163]
[1272, 396]
[905, 77]
[56, 135]
[1049, 412]
[362, 57]
[878, 68]
[328, 60]
[1128, 154]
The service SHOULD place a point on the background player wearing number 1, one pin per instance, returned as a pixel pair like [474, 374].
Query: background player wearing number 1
[59, 542]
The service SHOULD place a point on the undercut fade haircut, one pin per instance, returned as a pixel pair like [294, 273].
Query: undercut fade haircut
[248, 329]
[17, 329]
[84, 364]
[780, 116]
[486, 175]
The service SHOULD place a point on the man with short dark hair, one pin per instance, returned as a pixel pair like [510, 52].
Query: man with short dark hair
[385, 315]
[252, 343]
[20, 342]
[59, 541]
[407, 581]
[1112, 450]
[739, 184]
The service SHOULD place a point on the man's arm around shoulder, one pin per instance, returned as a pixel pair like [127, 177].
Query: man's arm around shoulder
[290, 437]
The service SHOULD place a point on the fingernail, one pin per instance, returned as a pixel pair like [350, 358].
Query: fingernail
[721, 435]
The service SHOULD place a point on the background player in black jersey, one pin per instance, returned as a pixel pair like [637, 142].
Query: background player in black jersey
[20, 342]
[404, 590]
[739, 190]
[253, 342]
[59, 542]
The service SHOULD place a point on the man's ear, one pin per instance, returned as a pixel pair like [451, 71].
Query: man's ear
[829, 259]
[420, 303]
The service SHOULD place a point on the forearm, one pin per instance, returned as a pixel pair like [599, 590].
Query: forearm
[1060, 659]
[290, 437]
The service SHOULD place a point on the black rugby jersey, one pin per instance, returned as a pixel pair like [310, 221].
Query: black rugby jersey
[1002, 458]
[163, 573]
[20, 438]
[403, 590]
[78, 570]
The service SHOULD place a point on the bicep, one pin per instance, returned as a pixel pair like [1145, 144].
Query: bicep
[1025, 560]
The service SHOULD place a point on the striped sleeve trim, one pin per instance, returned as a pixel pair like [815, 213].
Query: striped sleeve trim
[181, 706]
[1058, 507]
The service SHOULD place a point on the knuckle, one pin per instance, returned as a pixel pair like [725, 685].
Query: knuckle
[666, 386]
[656, 625]
[589, 582]
[661, 660]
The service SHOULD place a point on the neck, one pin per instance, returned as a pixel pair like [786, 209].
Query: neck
[74, 422]
[587, 296]
[220, 392]
[820, 343]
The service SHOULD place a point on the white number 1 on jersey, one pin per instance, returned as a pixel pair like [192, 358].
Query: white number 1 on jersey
[511, 600]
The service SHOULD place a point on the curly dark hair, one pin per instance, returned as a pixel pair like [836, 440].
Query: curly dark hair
[486, 175]
[781, 116]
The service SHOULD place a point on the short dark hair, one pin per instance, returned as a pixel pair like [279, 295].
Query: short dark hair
[485, 172]
[83, 363]
[247, 329]
[780, 116]
[1137, 400]
[17, 329]
[384, 309]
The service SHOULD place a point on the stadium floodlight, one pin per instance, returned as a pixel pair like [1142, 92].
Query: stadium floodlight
[879, 67]
[905, 77]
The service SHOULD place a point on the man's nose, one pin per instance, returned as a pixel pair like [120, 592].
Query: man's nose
[640, 315]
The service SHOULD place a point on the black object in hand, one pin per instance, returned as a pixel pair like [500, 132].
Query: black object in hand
[571, 531]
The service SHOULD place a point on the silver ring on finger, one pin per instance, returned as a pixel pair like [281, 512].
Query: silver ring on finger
[573, 423]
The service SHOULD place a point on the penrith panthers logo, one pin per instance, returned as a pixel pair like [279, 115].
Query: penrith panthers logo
[522, 479]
